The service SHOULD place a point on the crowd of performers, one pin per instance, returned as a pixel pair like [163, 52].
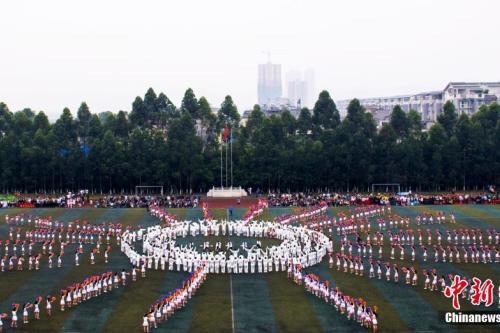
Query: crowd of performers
[165, 307]
[362, 246]
[363, 250]
[35, 242]
[299, 245]
[370, 238]
[353, 308]
[45, 242]
[408, 240]
[69, 297]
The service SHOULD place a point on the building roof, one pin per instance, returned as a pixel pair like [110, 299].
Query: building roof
[471, 84]
[246, 113]
[435, 92]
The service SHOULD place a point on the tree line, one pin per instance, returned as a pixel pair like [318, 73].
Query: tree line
[158, 143]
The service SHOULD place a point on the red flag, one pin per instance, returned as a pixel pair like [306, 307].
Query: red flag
[225, 134]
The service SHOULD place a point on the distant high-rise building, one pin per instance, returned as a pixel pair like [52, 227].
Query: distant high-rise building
[312, 95]
[296, 89]
[269, 84]
[300, 88]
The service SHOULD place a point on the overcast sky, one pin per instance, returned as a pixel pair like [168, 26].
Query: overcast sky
[58, 53]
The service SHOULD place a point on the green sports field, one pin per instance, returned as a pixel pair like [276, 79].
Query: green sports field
[238, 303]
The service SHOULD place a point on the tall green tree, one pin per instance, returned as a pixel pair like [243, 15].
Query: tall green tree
[399, 122]
[185, 153]
[357, 132]
[305, 121]
[325, 113]
[228, 114]
[448, 118]
[208, 124]
[190, 104]
[158, 144]
[138, 116]
[5, 117]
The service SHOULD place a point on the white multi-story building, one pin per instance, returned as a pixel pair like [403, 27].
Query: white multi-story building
[273, 110]
[467, 97]
[427, 104]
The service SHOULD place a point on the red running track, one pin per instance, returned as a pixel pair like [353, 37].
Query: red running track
[229, 202]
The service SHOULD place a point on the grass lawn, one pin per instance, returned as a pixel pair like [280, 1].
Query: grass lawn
[239, 302]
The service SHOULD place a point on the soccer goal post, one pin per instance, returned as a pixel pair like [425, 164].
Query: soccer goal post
[148, 190]
[386, 188]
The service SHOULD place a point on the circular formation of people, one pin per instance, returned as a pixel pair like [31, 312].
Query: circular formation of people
[160, 247]
[250, 247]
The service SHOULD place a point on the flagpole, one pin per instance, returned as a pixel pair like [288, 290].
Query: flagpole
[221, 147]
[231, 138]
[226, 162]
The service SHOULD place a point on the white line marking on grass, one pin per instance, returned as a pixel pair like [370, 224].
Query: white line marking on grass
[232, 308]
